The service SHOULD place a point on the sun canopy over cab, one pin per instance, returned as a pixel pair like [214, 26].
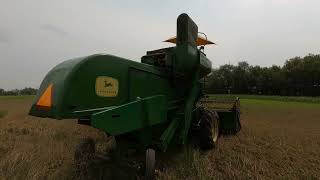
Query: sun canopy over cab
[200, 41]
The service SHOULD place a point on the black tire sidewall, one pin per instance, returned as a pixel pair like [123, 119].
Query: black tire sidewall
[150, 164]
[207, 119]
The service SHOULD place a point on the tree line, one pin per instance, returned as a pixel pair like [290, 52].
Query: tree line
[16, 92]
[299, 76]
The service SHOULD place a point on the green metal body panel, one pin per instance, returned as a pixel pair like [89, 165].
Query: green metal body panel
[134, 115]
[74, 85]
[151, 101]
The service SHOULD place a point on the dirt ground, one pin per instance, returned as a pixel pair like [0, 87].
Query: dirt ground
[279, 140]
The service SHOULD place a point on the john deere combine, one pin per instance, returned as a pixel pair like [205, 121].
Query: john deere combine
[155, 103]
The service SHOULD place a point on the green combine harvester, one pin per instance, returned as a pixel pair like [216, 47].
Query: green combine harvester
[148, 105]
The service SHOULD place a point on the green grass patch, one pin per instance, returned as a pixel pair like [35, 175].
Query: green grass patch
[17, 97]
[3, 114]
[263, 106]
[274, 98]
[22, 97]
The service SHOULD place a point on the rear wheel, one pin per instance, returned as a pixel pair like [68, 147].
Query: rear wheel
[237, 110]
[232, 127]
[209, 129]
[238, 124]
[150, 164]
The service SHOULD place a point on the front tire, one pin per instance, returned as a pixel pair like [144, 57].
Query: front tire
[209, 129]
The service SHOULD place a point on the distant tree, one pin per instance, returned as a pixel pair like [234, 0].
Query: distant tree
[15, 92]
[28, 91]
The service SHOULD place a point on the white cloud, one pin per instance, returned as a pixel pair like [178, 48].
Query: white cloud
[36, 35]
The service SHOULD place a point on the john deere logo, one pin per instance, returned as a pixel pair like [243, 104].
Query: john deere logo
[107, 86]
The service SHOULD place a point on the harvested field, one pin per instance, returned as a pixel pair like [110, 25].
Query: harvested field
[279, 139]
[36, 148]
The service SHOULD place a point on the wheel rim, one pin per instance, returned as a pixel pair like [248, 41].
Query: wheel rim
[215, 130]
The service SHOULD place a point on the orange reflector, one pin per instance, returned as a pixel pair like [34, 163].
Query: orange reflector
[45, 99]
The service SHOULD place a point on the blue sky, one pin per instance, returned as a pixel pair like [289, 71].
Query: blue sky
[35, 35]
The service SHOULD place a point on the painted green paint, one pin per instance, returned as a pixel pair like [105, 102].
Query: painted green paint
[134, 115]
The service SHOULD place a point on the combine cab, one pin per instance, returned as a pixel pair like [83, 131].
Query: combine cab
[147, 106]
